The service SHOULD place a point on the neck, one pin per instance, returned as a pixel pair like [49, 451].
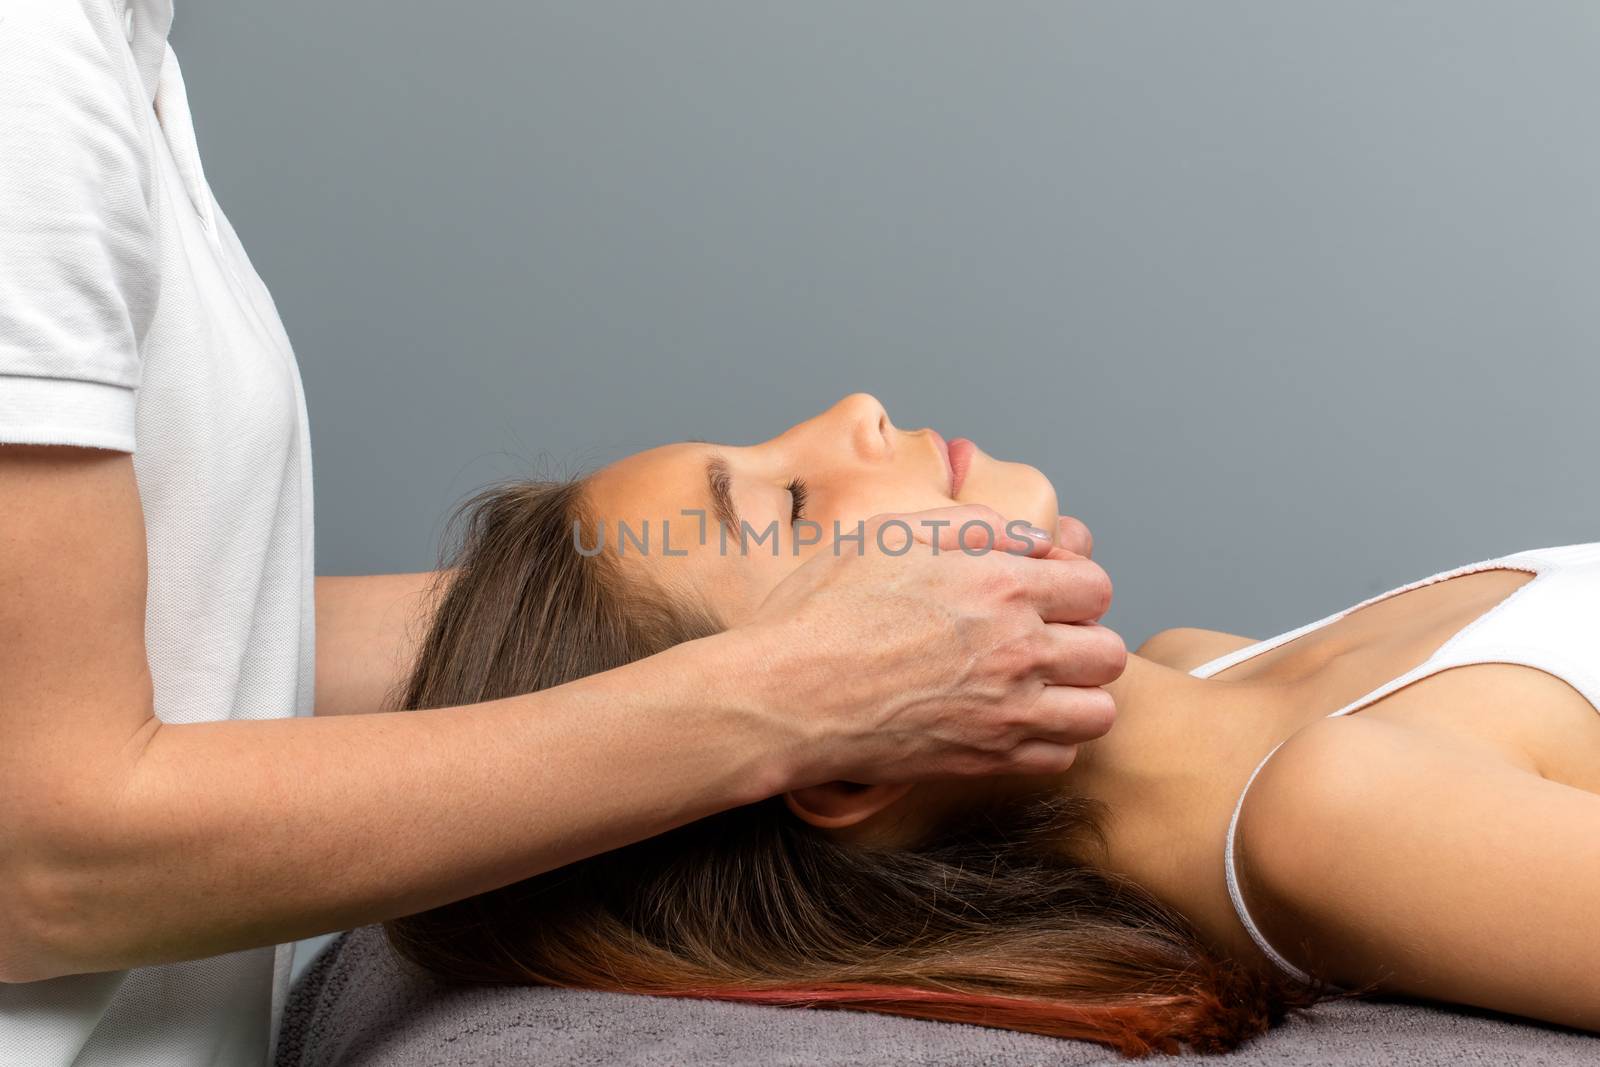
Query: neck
[1168, 723]
[1172, 766]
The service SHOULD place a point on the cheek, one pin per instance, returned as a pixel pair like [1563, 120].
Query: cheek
[754, 576]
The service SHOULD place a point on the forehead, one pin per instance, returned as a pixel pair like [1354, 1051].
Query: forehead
[655, 484]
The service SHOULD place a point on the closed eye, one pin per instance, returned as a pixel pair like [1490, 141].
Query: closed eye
[797, 492]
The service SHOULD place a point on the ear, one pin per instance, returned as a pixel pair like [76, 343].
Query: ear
[835, 805]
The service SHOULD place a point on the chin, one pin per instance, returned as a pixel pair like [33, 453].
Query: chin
[1015, 490]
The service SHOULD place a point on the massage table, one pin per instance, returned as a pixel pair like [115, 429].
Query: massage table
[358, 1004]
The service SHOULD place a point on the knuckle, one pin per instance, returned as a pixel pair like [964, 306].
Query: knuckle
[1006, 584]
[990, 584]
[1045, 651]
[1017, 657]
[995, 741]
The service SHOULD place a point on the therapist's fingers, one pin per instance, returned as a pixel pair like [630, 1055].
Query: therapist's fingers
[1070, 589]
[1059, 719]
[1038, 757]
[1074, 536]
[1069, 715]
[1083, 654]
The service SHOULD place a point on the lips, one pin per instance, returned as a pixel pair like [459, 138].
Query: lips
[961, 452]
[957, 456]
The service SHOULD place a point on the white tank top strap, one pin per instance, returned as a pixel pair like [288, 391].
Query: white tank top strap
[1230, 868]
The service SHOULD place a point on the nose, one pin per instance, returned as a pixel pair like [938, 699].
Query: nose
[867, 424]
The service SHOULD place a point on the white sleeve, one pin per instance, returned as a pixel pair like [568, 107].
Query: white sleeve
[78, 271]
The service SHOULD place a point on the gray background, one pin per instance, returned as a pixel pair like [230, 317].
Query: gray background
[1294, 302]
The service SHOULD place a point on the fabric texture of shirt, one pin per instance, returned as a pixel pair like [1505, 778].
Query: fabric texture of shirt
[131, 319]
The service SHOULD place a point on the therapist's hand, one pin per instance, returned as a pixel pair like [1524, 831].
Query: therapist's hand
[890, 668]
[1074, 536]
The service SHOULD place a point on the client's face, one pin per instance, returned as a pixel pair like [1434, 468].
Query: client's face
[841, 467]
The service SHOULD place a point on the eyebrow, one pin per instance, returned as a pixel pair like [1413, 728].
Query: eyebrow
[719, 479]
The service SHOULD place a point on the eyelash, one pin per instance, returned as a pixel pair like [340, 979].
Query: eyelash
[797, 490]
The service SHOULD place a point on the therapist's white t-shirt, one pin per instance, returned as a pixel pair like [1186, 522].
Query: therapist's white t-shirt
[131, 319]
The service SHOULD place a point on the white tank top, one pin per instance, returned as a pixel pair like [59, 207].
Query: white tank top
[1551, 622]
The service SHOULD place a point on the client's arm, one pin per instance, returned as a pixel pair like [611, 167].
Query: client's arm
[1374, 852]
[125, 840]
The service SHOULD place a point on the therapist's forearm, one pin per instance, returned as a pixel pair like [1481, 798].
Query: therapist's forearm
[368, 630]
[197, 839]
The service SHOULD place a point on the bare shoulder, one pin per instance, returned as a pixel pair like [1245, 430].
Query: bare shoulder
[1384, 855]
[1187, 647]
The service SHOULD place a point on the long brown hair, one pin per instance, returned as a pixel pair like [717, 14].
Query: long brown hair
[999, 920]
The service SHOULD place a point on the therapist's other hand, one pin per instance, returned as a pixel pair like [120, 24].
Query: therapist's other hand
[892, 668]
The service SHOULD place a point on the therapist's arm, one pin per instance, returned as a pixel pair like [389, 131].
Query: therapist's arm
[127, 841]
[368, 630]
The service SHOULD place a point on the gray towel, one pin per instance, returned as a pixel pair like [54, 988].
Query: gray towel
[360, 1005]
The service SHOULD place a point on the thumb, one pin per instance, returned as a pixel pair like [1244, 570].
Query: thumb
[973, 527]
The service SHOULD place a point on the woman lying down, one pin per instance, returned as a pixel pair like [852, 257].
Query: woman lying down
[1174, 887]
